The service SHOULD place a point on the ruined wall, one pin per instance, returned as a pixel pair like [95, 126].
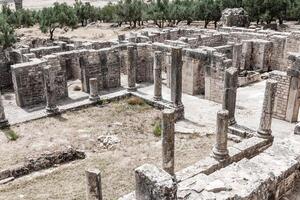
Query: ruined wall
[102, 64]
[42, 51]
[144, 68]
[214, 76]
[5, 72]
[193, 71]
[281, 97]
[57, 77]
[28, 83]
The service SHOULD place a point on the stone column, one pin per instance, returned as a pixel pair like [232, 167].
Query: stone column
[230, 90]
[237, 56]
[94, 93]
[293, 93]
[18, 4]
[158, 60]
[93, 184]
[152, 183]
[176, 81]
[264, 130]
[3, 121]
[220, 151]
[168, 140]
[50, 93]
[131, 68]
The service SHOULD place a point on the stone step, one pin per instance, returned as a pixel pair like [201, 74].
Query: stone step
[266, 176]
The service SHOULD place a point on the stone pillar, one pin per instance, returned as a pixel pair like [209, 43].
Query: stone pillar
[293, 95]
[131, 68]
[18, 4]
[50, 93]
[158, 60]
[168, 140]
[230, 90]
[237, 56]
[264, 130]
[152, 183]
[220, 151]
[93, 184]
[176, 81]
[3, 121]
[94, 93]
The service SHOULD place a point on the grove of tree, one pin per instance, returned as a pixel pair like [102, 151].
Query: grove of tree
[135, 12]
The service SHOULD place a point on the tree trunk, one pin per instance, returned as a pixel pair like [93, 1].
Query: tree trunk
[206, 23]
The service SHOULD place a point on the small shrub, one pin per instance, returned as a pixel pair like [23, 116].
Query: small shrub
[157, 129]
[11, 134]
[135, 101]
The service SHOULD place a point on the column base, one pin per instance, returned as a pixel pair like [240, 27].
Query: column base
[231, 122]
[52, 110]
[179, 112]
[4, 123]
[157, 98]
[220, 155]
[94, 98]
[265, 134]
[132, 89]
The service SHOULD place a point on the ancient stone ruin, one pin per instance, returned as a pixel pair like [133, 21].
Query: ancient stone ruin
[210, 65]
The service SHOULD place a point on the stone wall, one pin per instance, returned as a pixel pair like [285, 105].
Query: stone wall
[102, 64]
[214, 76]
[28, 83]
[5, 72]
[281, 97]
[144, 69]
[42, 51]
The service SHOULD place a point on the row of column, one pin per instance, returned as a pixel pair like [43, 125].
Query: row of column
[175, 71]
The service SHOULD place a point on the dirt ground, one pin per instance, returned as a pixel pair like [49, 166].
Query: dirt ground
[131, 125]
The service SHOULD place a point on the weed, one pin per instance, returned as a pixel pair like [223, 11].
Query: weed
[11, 134]
[133, 101]
[157, 129]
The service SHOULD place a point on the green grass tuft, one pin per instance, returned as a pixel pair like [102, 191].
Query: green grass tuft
[157, 129]
[11, 134]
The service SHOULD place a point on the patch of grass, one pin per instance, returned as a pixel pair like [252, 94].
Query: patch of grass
[11, 134]
[133, 101]
[157, 129]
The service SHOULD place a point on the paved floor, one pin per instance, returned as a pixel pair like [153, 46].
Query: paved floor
[199, 113]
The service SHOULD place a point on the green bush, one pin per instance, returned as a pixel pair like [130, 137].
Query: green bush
[11, 134]
[157, 129]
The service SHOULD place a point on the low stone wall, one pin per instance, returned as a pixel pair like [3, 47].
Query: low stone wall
[45, 161]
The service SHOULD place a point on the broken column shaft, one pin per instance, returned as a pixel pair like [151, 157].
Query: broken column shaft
[94, 93]
[230, 90]
[93, 184]
[176, 82]
[50, 92]
[264, 130]
[131, 68]
[220, 151]
[3, 120]
[168, 140]
[158, 60]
